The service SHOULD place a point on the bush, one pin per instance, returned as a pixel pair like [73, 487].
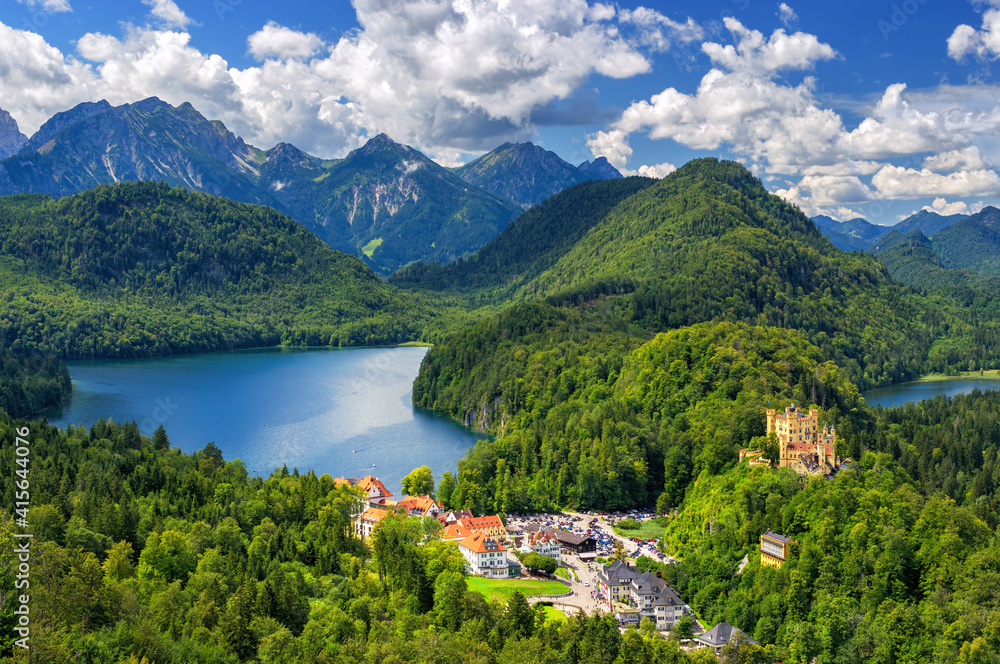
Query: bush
[629, 524]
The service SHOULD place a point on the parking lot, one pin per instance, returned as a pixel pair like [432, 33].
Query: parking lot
[596, 525]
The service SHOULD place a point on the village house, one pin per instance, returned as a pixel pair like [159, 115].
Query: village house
[365, 522]
[373, 488]
[613, 582]
[454, 516]
[542, 543]
[721, 634]
[488, 525]
[454, 532]
[774, 548]
[583, 545]
[632, 595]
[420, 506]
[485, 556]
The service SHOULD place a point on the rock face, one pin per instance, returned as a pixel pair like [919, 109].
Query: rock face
[523, 173]
[386, 202]
[96, 143]
[11, 138]
[600, 169]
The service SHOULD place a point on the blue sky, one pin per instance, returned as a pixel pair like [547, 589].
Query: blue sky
[851, 108]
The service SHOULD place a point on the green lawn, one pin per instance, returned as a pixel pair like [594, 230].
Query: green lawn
[502, 588]
[370, 248]
[552, 613]
[647, 529]
[564, 573]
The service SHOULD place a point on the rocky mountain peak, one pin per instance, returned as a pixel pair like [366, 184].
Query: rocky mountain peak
[11, 138]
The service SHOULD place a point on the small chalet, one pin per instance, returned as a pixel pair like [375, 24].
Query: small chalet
[717, 637]
[576, 542]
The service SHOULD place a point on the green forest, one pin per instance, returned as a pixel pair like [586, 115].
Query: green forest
[145, 554]
[620, 341]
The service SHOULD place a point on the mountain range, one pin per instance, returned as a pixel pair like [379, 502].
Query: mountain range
[385, 202]
[859, 234]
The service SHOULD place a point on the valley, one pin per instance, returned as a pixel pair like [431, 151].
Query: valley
[613, 346]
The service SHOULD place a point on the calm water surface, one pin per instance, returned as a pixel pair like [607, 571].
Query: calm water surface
[346, 412]
[899, 394]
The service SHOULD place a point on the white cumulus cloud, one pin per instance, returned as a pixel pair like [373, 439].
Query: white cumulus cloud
[984, 43]
[932, 143]
[448, 76]
[968, 158]
[168, 12]
[660, 31]
[943, 207]
[898, 182]
[276, 41]
[652, 170]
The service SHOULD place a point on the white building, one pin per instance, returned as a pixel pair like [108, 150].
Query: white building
[542, 543]
[485, 556]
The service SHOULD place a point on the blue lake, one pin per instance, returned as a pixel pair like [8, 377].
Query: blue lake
[900, 393]
[346, 412]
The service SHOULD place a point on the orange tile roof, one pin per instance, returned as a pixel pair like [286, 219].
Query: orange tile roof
[540, 536]
[373, 514]
[455, 531]
[366, 483]
[477, 543]
[422, 503]
[482, 522]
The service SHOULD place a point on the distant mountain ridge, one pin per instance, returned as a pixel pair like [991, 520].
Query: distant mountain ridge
[528, 174]
[972, 244]
[859, 234]
[385, 202]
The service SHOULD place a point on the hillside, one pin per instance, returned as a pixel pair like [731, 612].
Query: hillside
[972, 243]
[529, 245]
[589, 413]
[708, 242]
[143, 269]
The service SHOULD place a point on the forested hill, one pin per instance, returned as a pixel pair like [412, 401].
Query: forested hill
[707, 242]
[140, 269]
[700, 251]
[529, 245]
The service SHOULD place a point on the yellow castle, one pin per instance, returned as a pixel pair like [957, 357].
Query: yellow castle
[803, 446]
